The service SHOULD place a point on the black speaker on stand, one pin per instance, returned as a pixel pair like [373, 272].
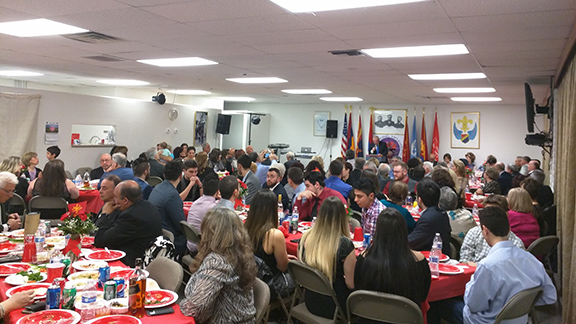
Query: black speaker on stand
[331, 129]
[223, 124]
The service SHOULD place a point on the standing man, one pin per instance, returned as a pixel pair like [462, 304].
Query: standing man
[118, 167]
[504, 178]
[105, 162]
[365, 197]
[190, 187]
[229, 192]
[109, 211]
[378, 148]
[8, 182]
[315, 193]
[248, 177]
[273, 178]
[334, 181]
[52, 152]
[168, 202]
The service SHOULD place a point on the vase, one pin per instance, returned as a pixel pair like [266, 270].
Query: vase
[73, 246]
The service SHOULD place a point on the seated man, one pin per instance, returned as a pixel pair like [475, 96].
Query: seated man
[315, 194]
[108, 213]
[365, 197]
[229, 189]
[141, 175]
[273, 178]
[334, 181]
[432, 220]
[156, 169]
[296, 182]
[168, 202]
[105, 162]
[138, 224]
[190, 187]
[400, 171]
[248, 177]
[8, 182]
[118, 167]
[200, 208]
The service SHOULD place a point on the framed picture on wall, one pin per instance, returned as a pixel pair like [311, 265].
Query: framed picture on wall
[201, 119]
[320, 122]
[465, 130]
[388, 121]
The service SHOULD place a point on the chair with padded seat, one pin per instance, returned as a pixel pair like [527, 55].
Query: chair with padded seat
[193, 236]
[154, 181]
[519, 305]
[314, 280]
[50, 208]
[261, 299]
[168, 273]
[383, 307]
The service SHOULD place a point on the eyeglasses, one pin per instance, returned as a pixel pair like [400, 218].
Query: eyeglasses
[10, 192]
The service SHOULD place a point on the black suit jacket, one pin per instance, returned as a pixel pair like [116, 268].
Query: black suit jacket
[279, 190]
[132, 232]
[382, 149]
[96, 173]
[505, 182]
[433, 220]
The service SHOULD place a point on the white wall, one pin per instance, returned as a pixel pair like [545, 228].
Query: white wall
[502, 127]
[139, 124]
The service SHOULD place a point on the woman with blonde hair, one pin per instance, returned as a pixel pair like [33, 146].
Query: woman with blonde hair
[223, 272]
[328, 248]
[521, 217]
[13, 165]
[203, 169]
[30, 161]
[461, 180]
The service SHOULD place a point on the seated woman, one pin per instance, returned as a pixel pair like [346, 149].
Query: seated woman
[328, 248]
[521, 217]
[30, 161]
[389, 265]
[223, 272]
[397, 193]
[203, 169]
[491, 186]
[53, 183]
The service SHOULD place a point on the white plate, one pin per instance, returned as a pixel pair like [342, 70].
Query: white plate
[170, 294]
[55, 240]
[30, 286]
[14, 279]
[3, 239]
[93, 275]
[88, 265]
[448, 269]
[80, 284]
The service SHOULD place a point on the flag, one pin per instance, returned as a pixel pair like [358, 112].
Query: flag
[351, 144]
[370, 130]
[406, 145]
[435, 137]
[344, 145]
[423, 142]
[413, 147]
[360, 146]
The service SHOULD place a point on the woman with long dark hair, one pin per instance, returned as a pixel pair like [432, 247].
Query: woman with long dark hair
[54, 183]
[389, 265]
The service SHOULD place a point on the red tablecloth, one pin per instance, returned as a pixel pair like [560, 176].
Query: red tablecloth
[176, 318]
[92, 199]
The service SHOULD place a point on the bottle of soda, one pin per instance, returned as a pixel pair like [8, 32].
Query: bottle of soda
[280, 209]
[137, 291]
[435, 254]
[295, 217]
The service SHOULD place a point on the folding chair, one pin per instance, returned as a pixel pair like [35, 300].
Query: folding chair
[383, 307]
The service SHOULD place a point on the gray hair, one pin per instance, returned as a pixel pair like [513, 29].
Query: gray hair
[370, 165]
[120, 159]
[448, 199]
[429, 165]
[538, 175]
[151, 153]
[290, 155]
[513, 167]
[7, 177]
[384, 170]
[359, 163]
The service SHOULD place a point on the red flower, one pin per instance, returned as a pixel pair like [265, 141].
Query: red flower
[83, 217]
[64, 216]
[242, 184]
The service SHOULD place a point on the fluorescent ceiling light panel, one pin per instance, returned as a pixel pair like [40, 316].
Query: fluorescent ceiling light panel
[122, 82]
[417, 51]
[464, 90]
[189, 92]
[19, 73]
[257, 80]
[297, 6]
[476, 99]
[238, 99]
[341, 99]
[38, 27]
[306, 91]
[447, 76]
[179, 61]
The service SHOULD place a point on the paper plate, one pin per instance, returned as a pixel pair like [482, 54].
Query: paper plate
[51, 316]
[449, 269]
[87, 241]
[14, 279]
[7, 269]
[126, 272]
[160, 298]
[116, 319]
[110, 255]
[89, 265]
[443, 257]
[93, 275]
[33, 286]
[6, 247]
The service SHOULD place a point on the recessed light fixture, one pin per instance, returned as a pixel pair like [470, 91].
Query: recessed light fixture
[464, 90]
[189, 92]
[306, 91]
[237, 99]
[447, 76]
[38, 27]
[257, 80]
[476, 99]
[341, 99]
[123, 82]
[19, 73]
[179, 61]
[417, 51]
[326, 5]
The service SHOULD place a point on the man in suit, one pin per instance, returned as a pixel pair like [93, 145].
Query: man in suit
[433, 220]
[248, 177]
[378, 148]
[504, 178]
[273, 178]
[138, 224]
[105, 162]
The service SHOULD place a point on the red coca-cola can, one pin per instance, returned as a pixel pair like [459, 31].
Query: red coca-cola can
[286, 225]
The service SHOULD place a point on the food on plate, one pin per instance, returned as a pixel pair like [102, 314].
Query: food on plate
[24, 277]
[154, 298]
[86, 275]
[40, 291]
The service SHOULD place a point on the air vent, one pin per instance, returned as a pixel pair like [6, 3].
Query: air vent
[93, 38]
[352, 52]
[105, 58]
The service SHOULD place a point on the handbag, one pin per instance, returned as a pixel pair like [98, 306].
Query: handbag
[280, 284]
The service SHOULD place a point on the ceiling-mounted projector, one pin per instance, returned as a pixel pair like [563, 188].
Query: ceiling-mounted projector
[159, 98]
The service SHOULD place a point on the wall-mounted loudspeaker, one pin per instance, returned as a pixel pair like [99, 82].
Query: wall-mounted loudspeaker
[331, 129]
[223, 124]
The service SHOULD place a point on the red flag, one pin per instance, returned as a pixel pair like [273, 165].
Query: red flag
[406, 144]
[360, 146]
[423, 142]
[371, 130]
[435, 137]
[351, 142]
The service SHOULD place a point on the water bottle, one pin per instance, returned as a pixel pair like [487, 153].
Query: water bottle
[435, 254]
[409, 201]
[313, 220]
[475, 210]
[40, 238]
[280, 209]
[295, 217]
[78, 180]
[88, 310]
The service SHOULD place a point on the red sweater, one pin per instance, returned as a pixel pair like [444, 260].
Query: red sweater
[305, 209]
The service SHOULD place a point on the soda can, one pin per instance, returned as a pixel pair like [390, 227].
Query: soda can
[66, 271]
[109, 290]
[103, 276]
[68, 297]
[53, 297]
[120, 287]
[60, 282]
[367, 239]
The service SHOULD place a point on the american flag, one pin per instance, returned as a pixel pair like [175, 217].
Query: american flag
[344, 146]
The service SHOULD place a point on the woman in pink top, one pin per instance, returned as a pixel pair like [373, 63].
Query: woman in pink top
[522, 221]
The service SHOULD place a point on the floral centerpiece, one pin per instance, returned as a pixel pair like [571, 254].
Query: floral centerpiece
[76, 222]
[239, 204]
[222, 174]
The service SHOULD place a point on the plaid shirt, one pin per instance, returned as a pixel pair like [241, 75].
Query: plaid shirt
[370, 215]
[475, 248]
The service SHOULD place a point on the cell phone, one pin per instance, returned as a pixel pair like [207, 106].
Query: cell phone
[34, 307]
[266, 155]
[160, 311]
[295, 241]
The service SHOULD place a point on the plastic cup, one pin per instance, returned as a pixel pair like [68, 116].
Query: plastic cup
[358, 234]
[54, 270]
[468, 196]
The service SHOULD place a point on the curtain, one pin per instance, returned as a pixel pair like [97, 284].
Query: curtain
[566, 189]
[19, 116]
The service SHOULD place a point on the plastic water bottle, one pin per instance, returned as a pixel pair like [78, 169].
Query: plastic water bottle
[40, 238]
[78, 180]
[313, 220]
[409, 201]
[435, 254]
[295, 217]
[475, 210]
[89, 295]
[280, 210]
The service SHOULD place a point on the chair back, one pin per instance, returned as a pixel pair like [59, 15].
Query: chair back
[154, 181]
[53, 207]
[261, 299]
[166, 272]
[20, 204]
[353, 223]
[69, 175]
[190, 232]
[383, 307]
[519, 305]
[167, 234]
[83, 170]
[543, 245]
